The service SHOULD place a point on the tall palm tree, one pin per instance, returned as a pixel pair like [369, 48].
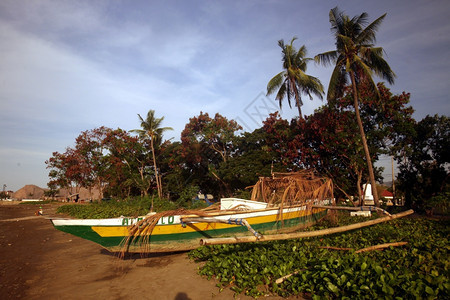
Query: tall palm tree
[355, 58]
[293, 80]
[151, 130]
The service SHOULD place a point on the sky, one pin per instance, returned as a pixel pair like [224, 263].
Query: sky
[71, 66]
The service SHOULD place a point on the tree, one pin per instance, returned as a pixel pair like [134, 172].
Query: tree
[172, 163]
[81, 166]
[356, 58]
[66, 170]
[251, 160]
[217, 133]
[206, 142]
[152, 130]
[127, 160]
[89, 146]
[423, 159]
[293, 80]
[329, 141]
[278, 139]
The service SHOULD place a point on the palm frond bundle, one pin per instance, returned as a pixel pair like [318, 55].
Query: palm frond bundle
[295, 188]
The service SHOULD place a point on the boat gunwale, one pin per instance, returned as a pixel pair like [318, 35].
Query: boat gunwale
[96, 222]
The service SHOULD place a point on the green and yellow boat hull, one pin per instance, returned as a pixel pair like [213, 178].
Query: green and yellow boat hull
[172, 234]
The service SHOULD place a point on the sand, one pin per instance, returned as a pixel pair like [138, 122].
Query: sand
[40, 262]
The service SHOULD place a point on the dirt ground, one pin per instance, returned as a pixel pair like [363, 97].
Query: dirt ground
[40, 262]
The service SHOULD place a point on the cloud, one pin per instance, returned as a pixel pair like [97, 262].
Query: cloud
[70, 66]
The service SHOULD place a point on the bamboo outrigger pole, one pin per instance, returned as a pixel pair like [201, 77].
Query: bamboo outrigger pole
[359, 208]
[296, 235]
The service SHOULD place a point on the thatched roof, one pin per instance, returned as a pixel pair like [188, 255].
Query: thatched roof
[292, 188]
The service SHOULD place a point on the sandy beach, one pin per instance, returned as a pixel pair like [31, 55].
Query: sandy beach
[40, 262]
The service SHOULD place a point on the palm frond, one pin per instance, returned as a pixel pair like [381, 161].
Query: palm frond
[361, 68]
[314, 86]
[281, 93]
[361, 20]
[326, 58]
[380, 66]
[301, 53]
[336, 21]
[368, 35]
[292, 188]
[337, 82]
[275, 83]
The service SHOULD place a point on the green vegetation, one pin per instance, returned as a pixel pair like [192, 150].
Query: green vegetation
[136, 206]
[420, 269]
[35, 202]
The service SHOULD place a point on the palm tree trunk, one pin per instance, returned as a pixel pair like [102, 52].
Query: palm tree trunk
[297, 101]
[364, 141]
[158, 185]
[358, 187]
[299, 109]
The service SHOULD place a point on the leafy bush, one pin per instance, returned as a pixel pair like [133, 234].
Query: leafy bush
[186, 196]
[111, 209]
[418, 270]
[439, 204]
[243, 194]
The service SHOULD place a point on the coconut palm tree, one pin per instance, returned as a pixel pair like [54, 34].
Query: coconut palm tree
[355, 58]
[293, 80]
[152, 131]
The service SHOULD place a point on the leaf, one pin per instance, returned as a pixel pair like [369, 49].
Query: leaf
[378, 269]
[429, 290]
[363, 266]
[333, 288]
[364, 287]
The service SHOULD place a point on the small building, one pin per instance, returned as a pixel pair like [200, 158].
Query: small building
[389, 197]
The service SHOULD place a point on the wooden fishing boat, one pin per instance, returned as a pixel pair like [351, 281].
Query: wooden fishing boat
[183, 230]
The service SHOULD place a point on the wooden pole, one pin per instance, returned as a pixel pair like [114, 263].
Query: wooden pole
[393, 180]
[381, 246]
[360, 208]
[296, 235]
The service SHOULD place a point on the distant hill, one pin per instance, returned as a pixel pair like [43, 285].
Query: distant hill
[30, 191]
[387, 183]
